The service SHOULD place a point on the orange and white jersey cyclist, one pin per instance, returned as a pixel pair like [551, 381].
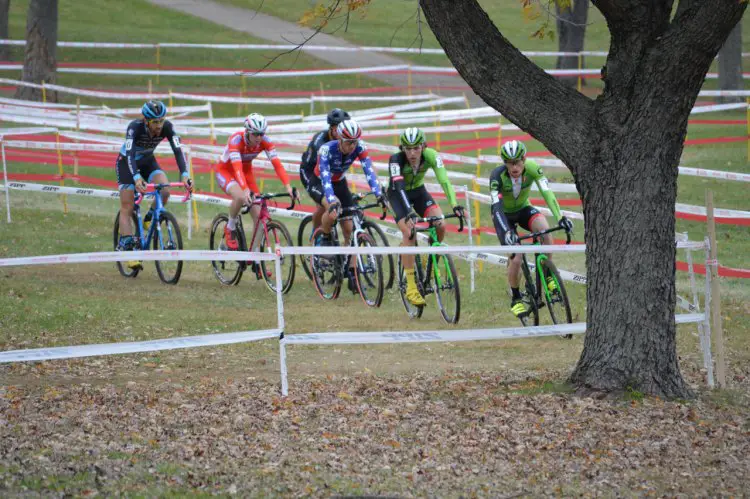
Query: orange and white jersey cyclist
[234, 172]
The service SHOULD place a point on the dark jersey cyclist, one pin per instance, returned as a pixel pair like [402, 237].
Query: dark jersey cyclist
[310, 157]
[136, 166]
[409, 198]
[510, 185]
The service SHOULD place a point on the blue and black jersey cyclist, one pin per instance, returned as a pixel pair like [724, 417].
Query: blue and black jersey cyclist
[136, 166]
[510, 185]
[310, 157]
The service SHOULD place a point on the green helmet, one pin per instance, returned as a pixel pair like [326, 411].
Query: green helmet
[513, 150]
[412, 137]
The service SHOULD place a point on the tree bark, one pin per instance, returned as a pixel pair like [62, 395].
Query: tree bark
[571, 31]
[4, 11]
[730, 65]
[623, 150]
[40, 58]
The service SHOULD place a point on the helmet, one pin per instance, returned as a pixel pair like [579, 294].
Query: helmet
[336, 116]
[154, 110]
[513, 150]
[256, 123]
[412, 137]
[349, 130]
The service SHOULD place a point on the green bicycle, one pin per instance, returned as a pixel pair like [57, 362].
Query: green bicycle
[437, 266]
[545, 288]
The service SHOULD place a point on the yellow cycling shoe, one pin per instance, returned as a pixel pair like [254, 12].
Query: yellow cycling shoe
[135, 264]
[551, 284]
[414, 297]
[518, 307]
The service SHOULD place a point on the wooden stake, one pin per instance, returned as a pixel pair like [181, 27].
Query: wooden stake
[713, 263]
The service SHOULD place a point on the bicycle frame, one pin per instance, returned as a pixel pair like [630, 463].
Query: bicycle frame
[432, 265]
[264, 217]
[155, 228]
[356, 214]
[536, 238]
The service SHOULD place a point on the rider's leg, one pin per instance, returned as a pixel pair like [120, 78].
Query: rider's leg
[412, 292]
[435, 211]
[329, 218]
[255, 214]
[127, 198]
[538, 224]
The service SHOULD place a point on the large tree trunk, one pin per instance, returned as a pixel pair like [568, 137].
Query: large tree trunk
[4, 11]
[40, 60]
[730, 65]
[571, 31]
[623, 150]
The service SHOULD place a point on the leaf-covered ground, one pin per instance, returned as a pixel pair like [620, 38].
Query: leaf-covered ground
[452, 434]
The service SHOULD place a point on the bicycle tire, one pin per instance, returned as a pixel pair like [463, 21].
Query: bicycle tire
[414, 311]
[302, 240]
[529, 296]
[449, 282]
[123, 269]
[216, 242]
[326, 272]
[168, 238]
[557, 302]
[269, 266]
[372, 228]
[369, 273]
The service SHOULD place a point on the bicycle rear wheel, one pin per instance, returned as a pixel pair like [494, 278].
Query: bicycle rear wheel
[414, 311]
[227, 272]
[278, 235]
[304, 238]
[326, 272]
[529, 297]
[557, 301]
[447, 291]
[168, 237]
[124, 270]
[369, 273]
[380, 238]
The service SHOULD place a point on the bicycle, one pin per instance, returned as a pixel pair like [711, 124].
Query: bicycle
[368, 225]
[441, 267]
[534, 290]
[274, 234]
[328, 272]
[163, 231]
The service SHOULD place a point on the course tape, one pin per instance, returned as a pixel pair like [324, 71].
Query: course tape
[70, 352]
[124, 256]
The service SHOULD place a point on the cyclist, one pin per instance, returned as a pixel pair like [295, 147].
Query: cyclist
[310, 156]
[234, 172]
[409, 199]
[136, 166]
[510, 185]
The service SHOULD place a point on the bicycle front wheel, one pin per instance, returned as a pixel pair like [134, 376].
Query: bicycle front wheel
[447, 291]
[369, 273]
[227, 272]
[529, 297]
[380, 238]
[124, 270]
[277, 235]
[557, 300]
[326, 273]
[304, 238]
[167, 238]
[414, 311]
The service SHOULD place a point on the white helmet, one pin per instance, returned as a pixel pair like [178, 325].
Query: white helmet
[349, 130]
[256, 124]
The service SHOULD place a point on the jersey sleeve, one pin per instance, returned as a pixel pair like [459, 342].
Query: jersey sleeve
[235, 157]
[324, 157]
[174, 141]
[396, 182]
[442, 175]
[372, 178]
[273, 157]
[310, 156]
[499, 219]
[547, 194]
[130, 136]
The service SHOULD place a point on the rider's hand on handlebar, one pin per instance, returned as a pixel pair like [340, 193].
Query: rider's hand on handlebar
[249, 196]
[188, 183]
[334, 205]
[510, 238]
[566, 224]
[140, 185]
[293, 193]
[458, 210]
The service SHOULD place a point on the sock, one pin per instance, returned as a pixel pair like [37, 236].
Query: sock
[149, 216]
[232, 223]
[516, 293]
[125, 242]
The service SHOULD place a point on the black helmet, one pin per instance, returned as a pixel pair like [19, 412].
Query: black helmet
[336, 116]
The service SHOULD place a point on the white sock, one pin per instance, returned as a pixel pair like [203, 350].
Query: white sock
[232, 223]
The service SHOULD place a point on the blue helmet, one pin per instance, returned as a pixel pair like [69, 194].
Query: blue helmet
[154, 110]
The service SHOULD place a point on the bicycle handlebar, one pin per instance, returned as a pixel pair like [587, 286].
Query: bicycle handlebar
[271, 195]
[157, 187]
[431, 220]
[535, 235]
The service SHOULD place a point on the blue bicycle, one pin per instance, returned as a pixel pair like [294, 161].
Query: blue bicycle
[163, 230]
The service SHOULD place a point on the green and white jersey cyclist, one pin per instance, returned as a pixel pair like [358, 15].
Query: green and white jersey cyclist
[409, 199]
[510, 185]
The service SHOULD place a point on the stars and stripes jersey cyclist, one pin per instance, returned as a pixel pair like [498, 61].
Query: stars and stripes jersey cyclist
[510, 185]
[234, 172]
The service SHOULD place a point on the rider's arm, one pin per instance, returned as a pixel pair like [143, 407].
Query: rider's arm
[174, 141]
[310, 156]
[325, 173]
[235, 157]
[366, 163]
[396, 180]
[275, 161]
[498, 214]
[547, 194]
[442, 176]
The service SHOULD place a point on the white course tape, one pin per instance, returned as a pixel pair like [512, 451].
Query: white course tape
[124, 256]
[5, 132]
[41, 354]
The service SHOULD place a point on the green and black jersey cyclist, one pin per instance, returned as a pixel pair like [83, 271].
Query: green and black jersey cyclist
[510, 185]
[409, 199]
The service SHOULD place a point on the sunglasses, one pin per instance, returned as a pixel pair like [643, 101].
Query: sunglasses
[350, 141]
[156, 122]
[257, 134]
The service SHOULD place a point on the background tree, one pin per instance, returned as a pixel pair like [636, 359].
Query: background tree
[730, 65]
[623, 149]
[571, 31]
[4, 11]
[40, 56]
